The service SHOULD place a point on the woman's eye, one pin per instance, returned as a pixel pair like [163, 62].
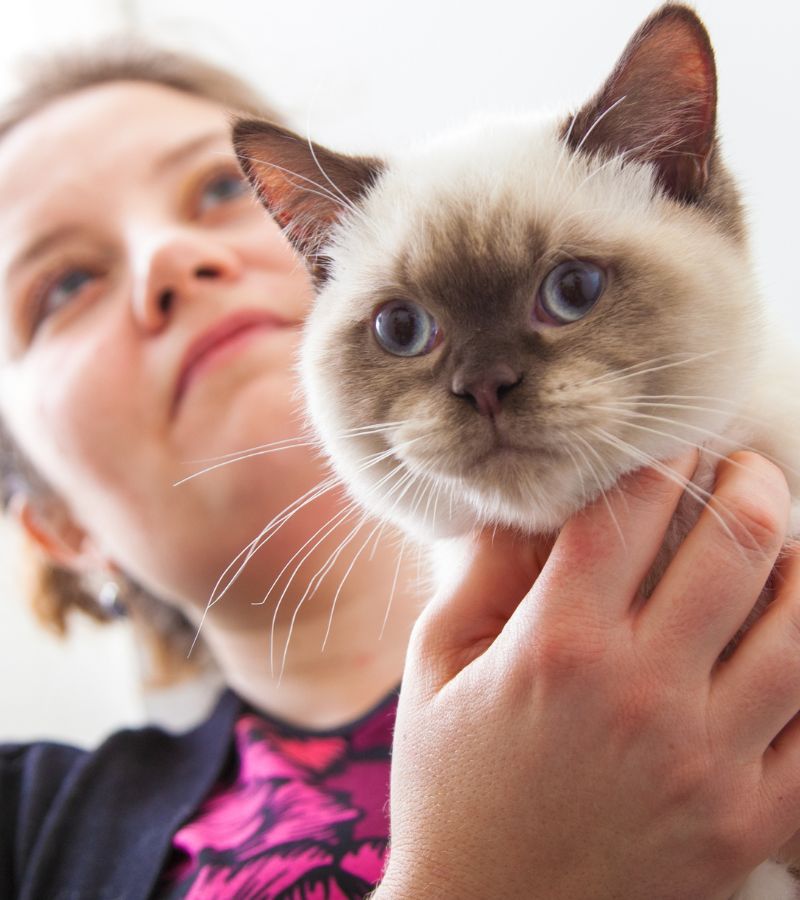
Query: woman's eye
[569, 291]
[405, 329]
[224, 187]
[62, 289]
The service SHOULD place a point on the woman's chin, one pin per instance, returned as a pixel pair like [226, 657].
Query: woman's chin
[240, 409]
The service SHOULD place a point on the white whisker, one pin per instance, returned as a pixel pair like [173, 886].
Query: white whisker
[704, 431]
[272, 527]
[321, 190]
[243, 456]
[636, 401]
[249, 549]
[703, 497]
[347, 200]
[309, 588]
[613, 377]
[287, 444]
[352, 507]
[315, 582]
[592, 127]
[606, 501]
[394, 588]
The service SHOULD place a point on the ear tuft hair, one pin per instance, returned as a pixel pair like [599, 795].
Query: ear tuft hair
[659, 104]
[304, 186]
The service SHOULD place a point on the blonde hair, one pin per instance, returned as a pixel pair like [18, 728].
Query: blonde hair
[56, 592]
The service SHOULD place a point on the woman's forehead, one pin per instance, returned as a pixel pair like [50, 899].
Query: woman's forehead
[85, 145]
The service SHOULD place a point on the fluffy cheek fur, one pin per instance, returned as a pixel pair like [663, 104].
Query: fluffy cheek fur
[660, 363]
[367, 432]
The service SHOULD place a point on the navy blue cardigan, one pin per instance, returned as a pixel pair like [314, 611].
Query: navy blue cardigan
[79, 825]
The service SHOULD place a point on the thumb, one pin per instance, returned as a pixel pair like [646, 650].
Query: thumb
[459, 624]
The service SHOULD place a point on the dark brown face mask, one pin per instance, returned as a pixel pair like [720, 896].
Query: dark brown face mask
[488, 308]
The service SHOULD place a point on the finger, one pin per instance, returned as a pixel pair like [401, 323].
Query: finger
[604, 552]
[756, 693]
[459, 624]
[781, 774]
[719, 571]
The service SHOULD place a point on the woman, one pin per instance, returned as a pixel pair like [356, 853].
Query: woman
[545, 746]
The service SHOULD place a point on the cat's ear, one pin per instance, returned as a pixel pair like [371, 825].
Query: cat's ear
[304, 186]
[659, 104]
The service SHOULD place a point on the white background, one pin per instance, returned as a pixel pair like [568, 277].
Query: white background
[373, 76]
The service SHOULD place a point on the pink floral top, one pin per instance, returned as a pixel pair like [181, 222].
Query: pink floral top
[304, 816]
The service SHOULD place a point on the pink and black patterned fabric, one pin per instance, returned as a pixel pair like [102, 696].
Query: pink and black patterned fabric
[304, 816]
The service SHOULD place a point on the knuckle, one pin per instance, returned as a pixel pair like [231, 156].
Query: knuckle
[651, 487]
[634, 713]
[690, 778]
[791, 624]
[568, 650]
[689, 768]
[756, 494]
[757, 523]
[426, 638]
[732, 839]
[753, 466]
[723, 795]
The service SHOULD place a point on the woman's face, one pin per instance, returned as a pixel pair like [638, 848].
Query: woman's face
[150, 317]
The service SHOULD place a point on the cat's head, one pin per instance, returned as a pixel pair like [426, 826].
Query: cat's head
[511, 317]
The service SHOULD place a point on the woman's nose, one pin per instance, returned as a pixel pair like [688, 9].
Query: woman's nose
[177, 268]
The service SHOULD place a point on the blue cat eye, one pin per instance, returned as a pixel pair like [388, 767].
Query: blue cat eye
[404, 329]
[569, 291]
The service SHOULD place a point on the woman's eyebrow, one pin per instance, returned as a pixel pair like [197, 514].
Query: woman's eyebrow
[186, 149]
[41, 245]
[174, 156]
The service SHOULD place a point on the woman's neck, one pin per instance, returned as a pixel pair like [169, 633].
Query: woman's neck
[285, 671]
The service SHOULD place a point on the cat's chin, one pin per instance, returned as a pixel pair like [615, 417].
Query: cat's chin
[477, 510]
[540, 515]
[440, 521]
[430, 510]
[534, 491]
[452, 508]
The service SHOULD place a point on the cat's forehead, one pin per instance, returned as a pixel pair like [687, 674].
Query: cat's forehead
[490, 192]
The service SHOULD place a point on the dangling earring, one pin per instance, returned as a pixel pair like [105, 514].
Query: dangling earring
[109, 598]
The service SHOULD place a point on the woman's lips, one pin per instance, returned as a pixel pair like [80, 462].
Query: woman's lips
[219, 342]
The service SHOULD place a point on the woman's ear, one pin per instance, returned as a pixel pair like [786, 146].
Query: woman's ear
[57, 536]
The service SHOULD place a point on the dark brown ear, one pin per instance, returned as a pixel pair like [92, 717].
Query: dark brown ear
[659, 104]
[304, 186]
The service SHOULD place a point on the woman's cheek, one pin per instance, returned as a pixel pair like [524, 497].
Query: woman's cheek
[74, 412]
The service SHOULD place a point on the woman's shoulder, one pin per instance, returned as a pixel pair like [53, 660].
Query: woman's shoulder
[86, 818]
[39, 763]
[32, 773]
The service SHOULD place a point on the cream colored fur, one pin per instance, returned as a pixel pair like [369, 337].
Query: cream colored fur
[523, 166]
[520, 174]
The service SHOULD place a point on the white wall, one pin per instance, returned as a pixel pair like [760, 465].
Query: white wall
[372, 75]
[363, 74]
[74, 690]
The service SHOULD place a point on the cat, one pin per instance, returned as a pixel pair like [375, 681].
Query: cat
[529, 308]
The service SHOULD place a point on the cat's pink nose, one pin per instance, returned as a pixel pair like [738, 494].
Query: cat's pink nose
[486, 390]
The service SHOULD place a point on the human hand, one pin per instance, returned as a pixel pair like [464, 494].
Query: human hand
[565, 741]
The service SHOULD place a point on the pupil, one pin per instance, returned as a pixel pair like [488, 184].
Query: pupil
[403, 327]
[221, 190]
[225, 187]
[576, 289]
[73, 280]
